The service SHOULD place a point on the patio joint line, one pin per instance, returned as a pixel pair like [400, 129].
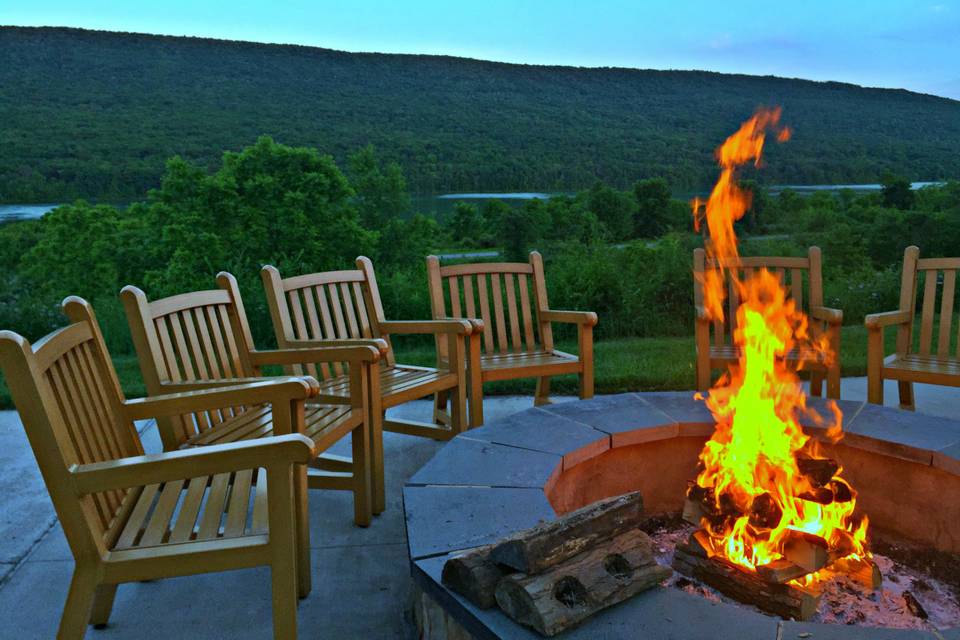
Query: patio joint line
[20, 561]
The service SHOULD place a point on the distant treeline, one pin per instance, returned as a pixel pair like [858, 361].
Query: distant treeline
[625, 254]
[96, 114]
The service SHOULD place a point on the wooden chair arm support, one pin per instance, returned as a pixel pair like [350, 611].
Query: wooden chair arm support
[306, 343]
[276, 389]
[702, 315]
[138, 471]
[309, 355]
[460, 327]
[200, 385]
[588, 318]
[475, 323]
[886, 319]
[826, 314]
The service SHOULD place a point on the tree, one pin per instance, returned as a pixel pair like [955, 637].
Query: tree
[614, 209]
[651, 218]
[381, 190]
[466, 224]
[519, 232]
[897, 192]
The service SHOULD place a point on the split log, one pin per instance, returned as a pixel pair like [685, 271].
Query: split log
[780, 571]
[474, 575]
[863, 572]
[784, 600]
[819, 471]
[570, 592]
[550, 543]
[805, 550]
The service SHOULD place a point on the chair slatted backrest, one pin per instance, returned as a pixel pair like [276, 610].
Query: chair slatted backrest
[801, 276]
[191, 337]
[70, 403]
[329, 305]
[936, 280]
[507, 296]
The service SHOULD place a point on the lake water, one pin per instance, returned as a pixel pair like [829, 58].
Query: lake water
[440, 205]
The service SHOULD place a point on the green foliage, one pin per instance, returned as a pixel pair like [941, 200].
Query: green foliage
[106, 110]
[896, 191]
[466, 224]
[614, 209]
[652, 216]
[381, 190]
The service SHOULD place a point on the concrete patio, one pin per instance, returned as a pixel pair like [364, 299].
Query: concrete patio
[361, 576]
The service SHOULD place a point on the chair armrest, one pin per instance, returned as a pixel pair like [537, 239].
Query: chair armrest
[826, 314]
[276, 389]
[460, 327]
[309, 343]
[475, 323]
[138, 471]
[886, 319]
[588, 318]
[199, 385]
[309, 355]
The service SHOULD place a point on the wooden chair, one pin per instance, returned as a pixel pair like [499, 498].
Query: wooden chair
[118, 506]
[717, 351]
[345, 305]
[923, 362]
[490, 298]
[201, 340]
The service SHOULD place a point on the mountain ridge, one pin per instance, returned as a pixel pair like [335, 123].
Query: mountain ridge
[103, 110]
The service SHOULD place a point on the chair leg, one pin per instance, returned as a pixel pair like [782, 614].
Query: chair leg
[283, 546]
[377, 480]
[440, 406]
[542, 395]
[833, 383]
[362, 486]
[458, 409]
[875, 366]
[302, 516]
[906, 395]
[816, 383]
[78, 609]
[586, 381]
[102, 605]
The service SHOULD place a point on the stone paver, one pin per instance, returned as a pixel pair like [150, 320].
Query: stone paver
[474, 462]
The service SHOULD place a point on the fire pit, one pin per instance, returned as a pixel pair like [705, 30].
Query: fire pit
[496, 480]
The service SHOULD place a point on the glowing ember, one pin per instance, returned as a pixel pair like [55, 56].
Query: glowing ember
[749, 469]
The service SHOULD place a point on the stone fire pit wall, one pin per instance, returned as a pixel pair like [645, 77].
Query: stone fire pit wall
[510, 475]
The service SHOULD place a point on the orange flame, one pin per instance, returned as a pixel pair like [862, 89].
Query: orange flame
[753, 451]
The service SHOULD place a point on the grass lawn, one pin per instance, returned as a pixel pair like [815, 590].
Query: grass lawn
[623, 364]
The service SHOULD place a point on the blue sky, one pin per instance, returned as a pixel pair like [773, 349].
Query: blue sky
[882, 43]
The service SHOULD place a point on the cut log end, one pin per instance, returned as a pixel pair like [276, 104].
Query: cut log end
[570, 592]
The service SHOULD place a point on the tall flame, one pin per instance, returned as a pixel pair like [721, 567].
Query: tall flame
[751, 459]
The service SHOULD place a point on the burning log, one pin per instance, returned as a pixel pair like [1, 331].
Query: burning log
[571, 591]
[780, 571]
[474, 575]
[784, 600]
[765, 513]
[819, 471]
[548, 544]
[805, 550]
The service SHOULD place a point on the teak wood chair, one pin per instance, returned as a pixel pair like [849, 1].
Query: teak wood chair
[490, 293]
[118, 506]
[345, 305]
[717, 351]
[202, 340]
[925, 362]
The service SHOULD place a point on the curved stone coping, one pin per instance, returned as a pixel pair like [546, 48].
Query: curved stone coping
[493, 481]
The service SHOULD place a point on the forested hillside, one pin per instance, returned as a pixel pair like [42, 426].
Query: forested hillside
[96, 114]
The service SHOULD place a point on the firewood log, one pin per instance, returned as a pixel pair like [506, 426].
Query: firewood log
[569, 592]
[818, 470]
[550, 543]
[805, 550]
[784, 600]
[474, 575]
